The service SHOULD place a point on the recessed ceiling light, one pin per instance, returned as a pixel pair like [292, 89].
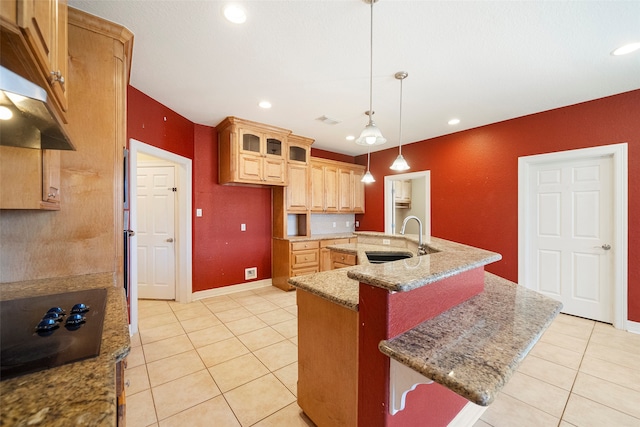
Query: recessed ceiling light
[264, 104]
[351, 138]
[454, 121]
[235, 13]
[627, 48]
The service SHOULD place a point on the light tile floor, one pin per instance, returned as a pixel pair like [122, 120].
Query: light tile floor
[232, 361]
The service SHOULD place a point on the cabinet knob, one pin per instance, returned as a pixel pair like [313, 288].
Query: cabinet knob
[56, 76]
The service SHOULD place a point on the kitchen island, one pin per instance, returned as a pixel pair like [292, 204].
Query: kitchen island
[414, 341]
[81, 393]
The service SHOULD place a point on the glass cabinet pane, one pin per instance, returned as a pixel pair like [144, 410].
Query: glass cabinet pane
[274, 147]
[251, 142]
[298, 154]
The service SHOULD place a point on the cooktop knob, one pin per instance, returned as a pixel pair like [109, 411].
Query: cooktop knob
[79, 308]
[75, 319]
[53, 315]
[56, 310]
[46, 325]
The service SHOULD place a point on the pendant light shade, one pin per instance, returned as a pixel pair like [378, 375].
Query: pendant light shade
[400, 164]
[367, 177]
[371, 135]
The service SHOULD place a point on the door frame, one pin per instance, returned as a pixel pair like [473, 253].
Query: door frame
[618, 153]
[388, 199]
[183, 219]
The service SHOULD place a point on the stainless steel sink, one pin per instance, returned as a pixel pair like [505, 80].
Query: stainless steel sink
[382, 257]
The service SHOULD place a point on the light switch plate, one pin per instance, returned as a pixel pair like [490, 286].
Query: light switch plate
[243, 227]
[198, 212]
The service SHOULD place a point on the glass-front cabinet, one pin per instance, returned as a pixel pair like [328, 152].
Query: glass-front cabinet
[252, 153]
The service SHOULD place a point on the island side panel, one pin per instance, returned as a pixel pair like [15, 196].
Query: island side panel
[327, 361]
[384, 314]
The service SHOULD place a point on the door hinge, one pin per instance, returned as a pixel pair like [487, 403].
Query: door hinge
[174, 189]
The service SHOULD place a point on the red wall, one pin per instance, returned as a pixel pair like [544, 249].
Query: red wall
[221, 251]
[474, 176]
[324, 154]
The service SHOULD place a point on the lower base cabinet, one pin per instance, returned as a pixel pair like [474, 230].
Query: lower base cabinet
[120, 394]
[327, 361]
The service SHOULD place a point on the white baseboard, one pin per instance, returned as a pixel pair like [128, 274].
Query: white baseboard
[633, 327]
[468, 415]
[226, 290]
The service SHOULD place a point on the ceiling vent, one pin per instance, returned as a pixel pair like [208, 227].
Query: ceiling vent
[328, 120]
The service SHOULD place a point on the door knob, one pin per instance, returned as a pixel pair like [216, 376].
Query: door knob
[170, 239]
[606, 247]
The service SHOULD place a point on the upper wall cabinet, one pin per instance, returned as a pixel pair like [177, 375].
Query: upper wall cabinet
[298, 171]
[35, 45]
[336, 187]
[252, 153]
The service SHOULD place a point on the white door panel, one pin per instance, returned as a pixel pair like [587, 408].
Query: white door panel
[156, 232]
[571, 203]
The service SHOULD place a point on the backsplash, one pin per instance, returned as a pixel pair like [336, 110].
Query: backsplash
[324, 223]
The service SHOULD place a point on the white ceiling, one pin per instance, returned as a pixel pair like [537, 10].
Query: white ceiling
[480, 61]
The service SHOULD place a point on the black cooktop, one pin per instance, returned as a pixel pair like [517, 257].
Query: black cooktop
[50, 330]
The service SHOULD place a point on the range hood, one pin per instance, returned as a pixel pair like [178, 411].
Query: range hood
[25, 118]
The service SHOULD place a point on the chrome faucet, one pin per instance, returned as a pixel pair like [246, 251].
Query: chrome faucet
[422, 250]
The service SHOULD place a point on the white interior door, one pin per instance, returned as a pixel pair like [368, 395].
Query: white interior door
[156, 232]
[570, 208]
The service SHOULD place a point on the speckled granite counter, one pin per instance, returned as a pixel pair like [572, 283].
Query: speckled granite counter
[341, 286]
[77, 394]
[475, 347]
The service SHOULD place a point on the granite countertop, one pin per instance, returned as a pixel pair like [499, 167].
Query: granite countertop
[317, 237]
[475, 347]
[342, 286]
[80, 393]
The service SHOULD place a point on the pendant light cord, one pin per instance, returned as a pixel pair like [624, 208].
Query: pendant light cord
[400, 131]
[371, 66]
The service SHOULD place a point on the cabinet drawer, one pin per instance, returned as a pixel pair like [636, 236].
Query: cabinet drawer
[303, 271]
[304, 258]
[300, 246]
[343, 258]
[329, 242]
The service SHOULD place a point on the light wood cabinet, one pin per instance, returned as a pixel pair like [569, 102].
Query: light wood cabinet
[252, 153]
[335, 187]
[402, 193]
[32, 181]
[297, 194]
[327, 361]
[293, 258]
[325, 252]
[342, 259]
[39, 31]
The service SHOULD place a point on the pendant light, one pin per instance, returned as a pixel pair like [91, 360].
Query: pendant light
[371, 135]
[367, 178]
[400, 164]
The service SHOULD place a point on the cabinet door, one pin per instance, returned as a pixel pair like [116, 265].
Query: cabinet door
[331, 188]
[358, 191]
[37, 18]
[250, 167]
[250, 142]
[297, 188]
[345, 191]
[44, 23]
[273, 171]
[317, 188]
[325, 259]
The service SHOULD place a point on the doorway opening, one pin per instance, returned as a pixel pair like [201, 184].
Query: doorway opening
[545, 218]
[407, 194]
[183, 221]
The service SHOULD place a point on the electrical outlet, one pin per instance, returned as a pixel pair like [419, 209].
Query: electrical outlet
[348, 223]
[334, 225]
[250, 273]
[386, 241]
[357, 223]
[198, 212]
[243, 227]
